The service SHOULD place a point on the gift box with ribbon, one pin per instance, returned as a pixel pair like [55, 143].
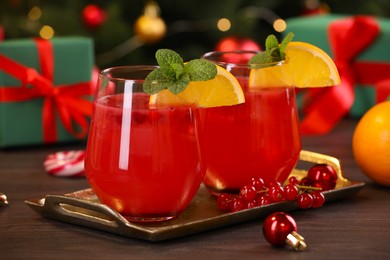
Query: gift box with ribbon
[359, 45]
[45, 90]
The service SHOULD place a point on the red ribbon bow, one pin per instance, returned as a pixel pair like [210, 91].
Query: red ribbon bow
[67, 100]
[348, 38]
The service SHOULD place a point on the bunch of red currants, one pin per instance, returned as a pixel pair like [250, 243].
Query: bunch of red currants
[307, 192]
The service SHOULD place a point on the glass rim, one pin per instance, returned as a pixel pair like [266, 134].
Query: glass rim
[105, 73]
[208, 56]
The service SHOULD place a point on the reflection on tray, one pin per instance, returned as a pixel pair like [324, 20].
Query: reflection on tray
[83, 208]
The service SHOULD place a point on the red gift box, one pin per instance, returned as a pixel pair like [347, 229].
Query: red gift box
[349, 38]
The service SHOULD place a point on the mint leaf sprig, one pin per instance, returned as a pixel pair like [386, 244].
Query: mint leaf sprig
[173, 74]
[274, 52]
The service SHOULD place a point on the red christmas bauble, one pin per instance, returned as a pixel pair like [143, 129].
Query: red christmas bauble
[2, 33]
[93, 16]
[314, 7]
[322, 176]
[233, 43]
[277, 226]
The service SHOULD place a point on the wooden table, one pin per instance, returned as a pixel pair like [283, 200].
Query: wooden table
[354, 228]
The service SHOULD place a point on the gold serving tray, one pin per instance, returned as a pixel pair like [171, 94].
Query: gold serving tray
[84, 208]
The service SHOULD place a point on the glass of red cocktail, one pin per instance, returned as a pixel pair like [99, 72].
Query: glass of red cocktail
[259, 138]
[142, 160]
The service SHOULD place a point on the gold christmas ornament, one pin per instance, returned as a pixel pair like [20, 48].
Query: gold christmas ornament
[150, 27]
[3, 199]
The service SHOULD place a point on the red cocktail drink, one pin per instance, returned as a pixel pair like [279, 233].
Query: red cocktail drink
[259, 138]
[143, 161]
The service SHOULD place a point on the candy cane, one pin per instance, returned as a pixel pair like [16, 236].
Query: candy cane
[65, 164]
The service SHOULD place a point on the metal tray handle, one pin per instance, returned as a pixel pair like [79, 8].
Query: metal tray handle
[84, 212]
[315, 158]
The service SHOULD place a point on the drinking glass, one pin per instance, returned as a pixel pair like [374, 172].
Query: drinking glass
[142, 160]
[257, 139]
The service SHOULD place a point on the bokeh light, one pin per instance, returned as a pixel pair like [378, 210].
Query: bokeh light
[223, 24]
[46, 32]
[35, 13]
[279, 25]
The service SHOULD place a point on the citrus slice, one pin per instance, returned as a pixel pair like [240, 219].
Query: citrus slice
[305, 66]
[223, 90]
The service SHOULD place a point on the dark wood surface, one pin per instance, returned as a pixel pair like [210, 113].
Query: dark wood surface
[354, 228]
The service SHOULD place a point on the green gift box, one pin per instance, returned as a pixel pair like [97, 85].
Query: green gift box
[371, 65]
[45, 90]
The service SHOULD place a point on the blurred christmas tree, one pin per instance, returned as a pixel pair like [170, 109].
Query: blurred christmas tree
[129, 32]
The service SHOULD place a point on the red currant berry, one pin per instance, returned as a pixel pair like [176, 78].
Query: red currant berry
[304, 200]
[251, 204]
[276, 193]
[322, 176]
[263, 200]
[248, 193]
[290, 192]
[318, 199]
[274, 183]
[305, 182]
[224, 200]
[258, 183]
[237, 204]
[293, 180]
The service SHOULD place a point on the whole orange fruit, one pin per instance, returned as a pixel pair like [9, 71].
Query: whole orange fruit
[371, 143]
